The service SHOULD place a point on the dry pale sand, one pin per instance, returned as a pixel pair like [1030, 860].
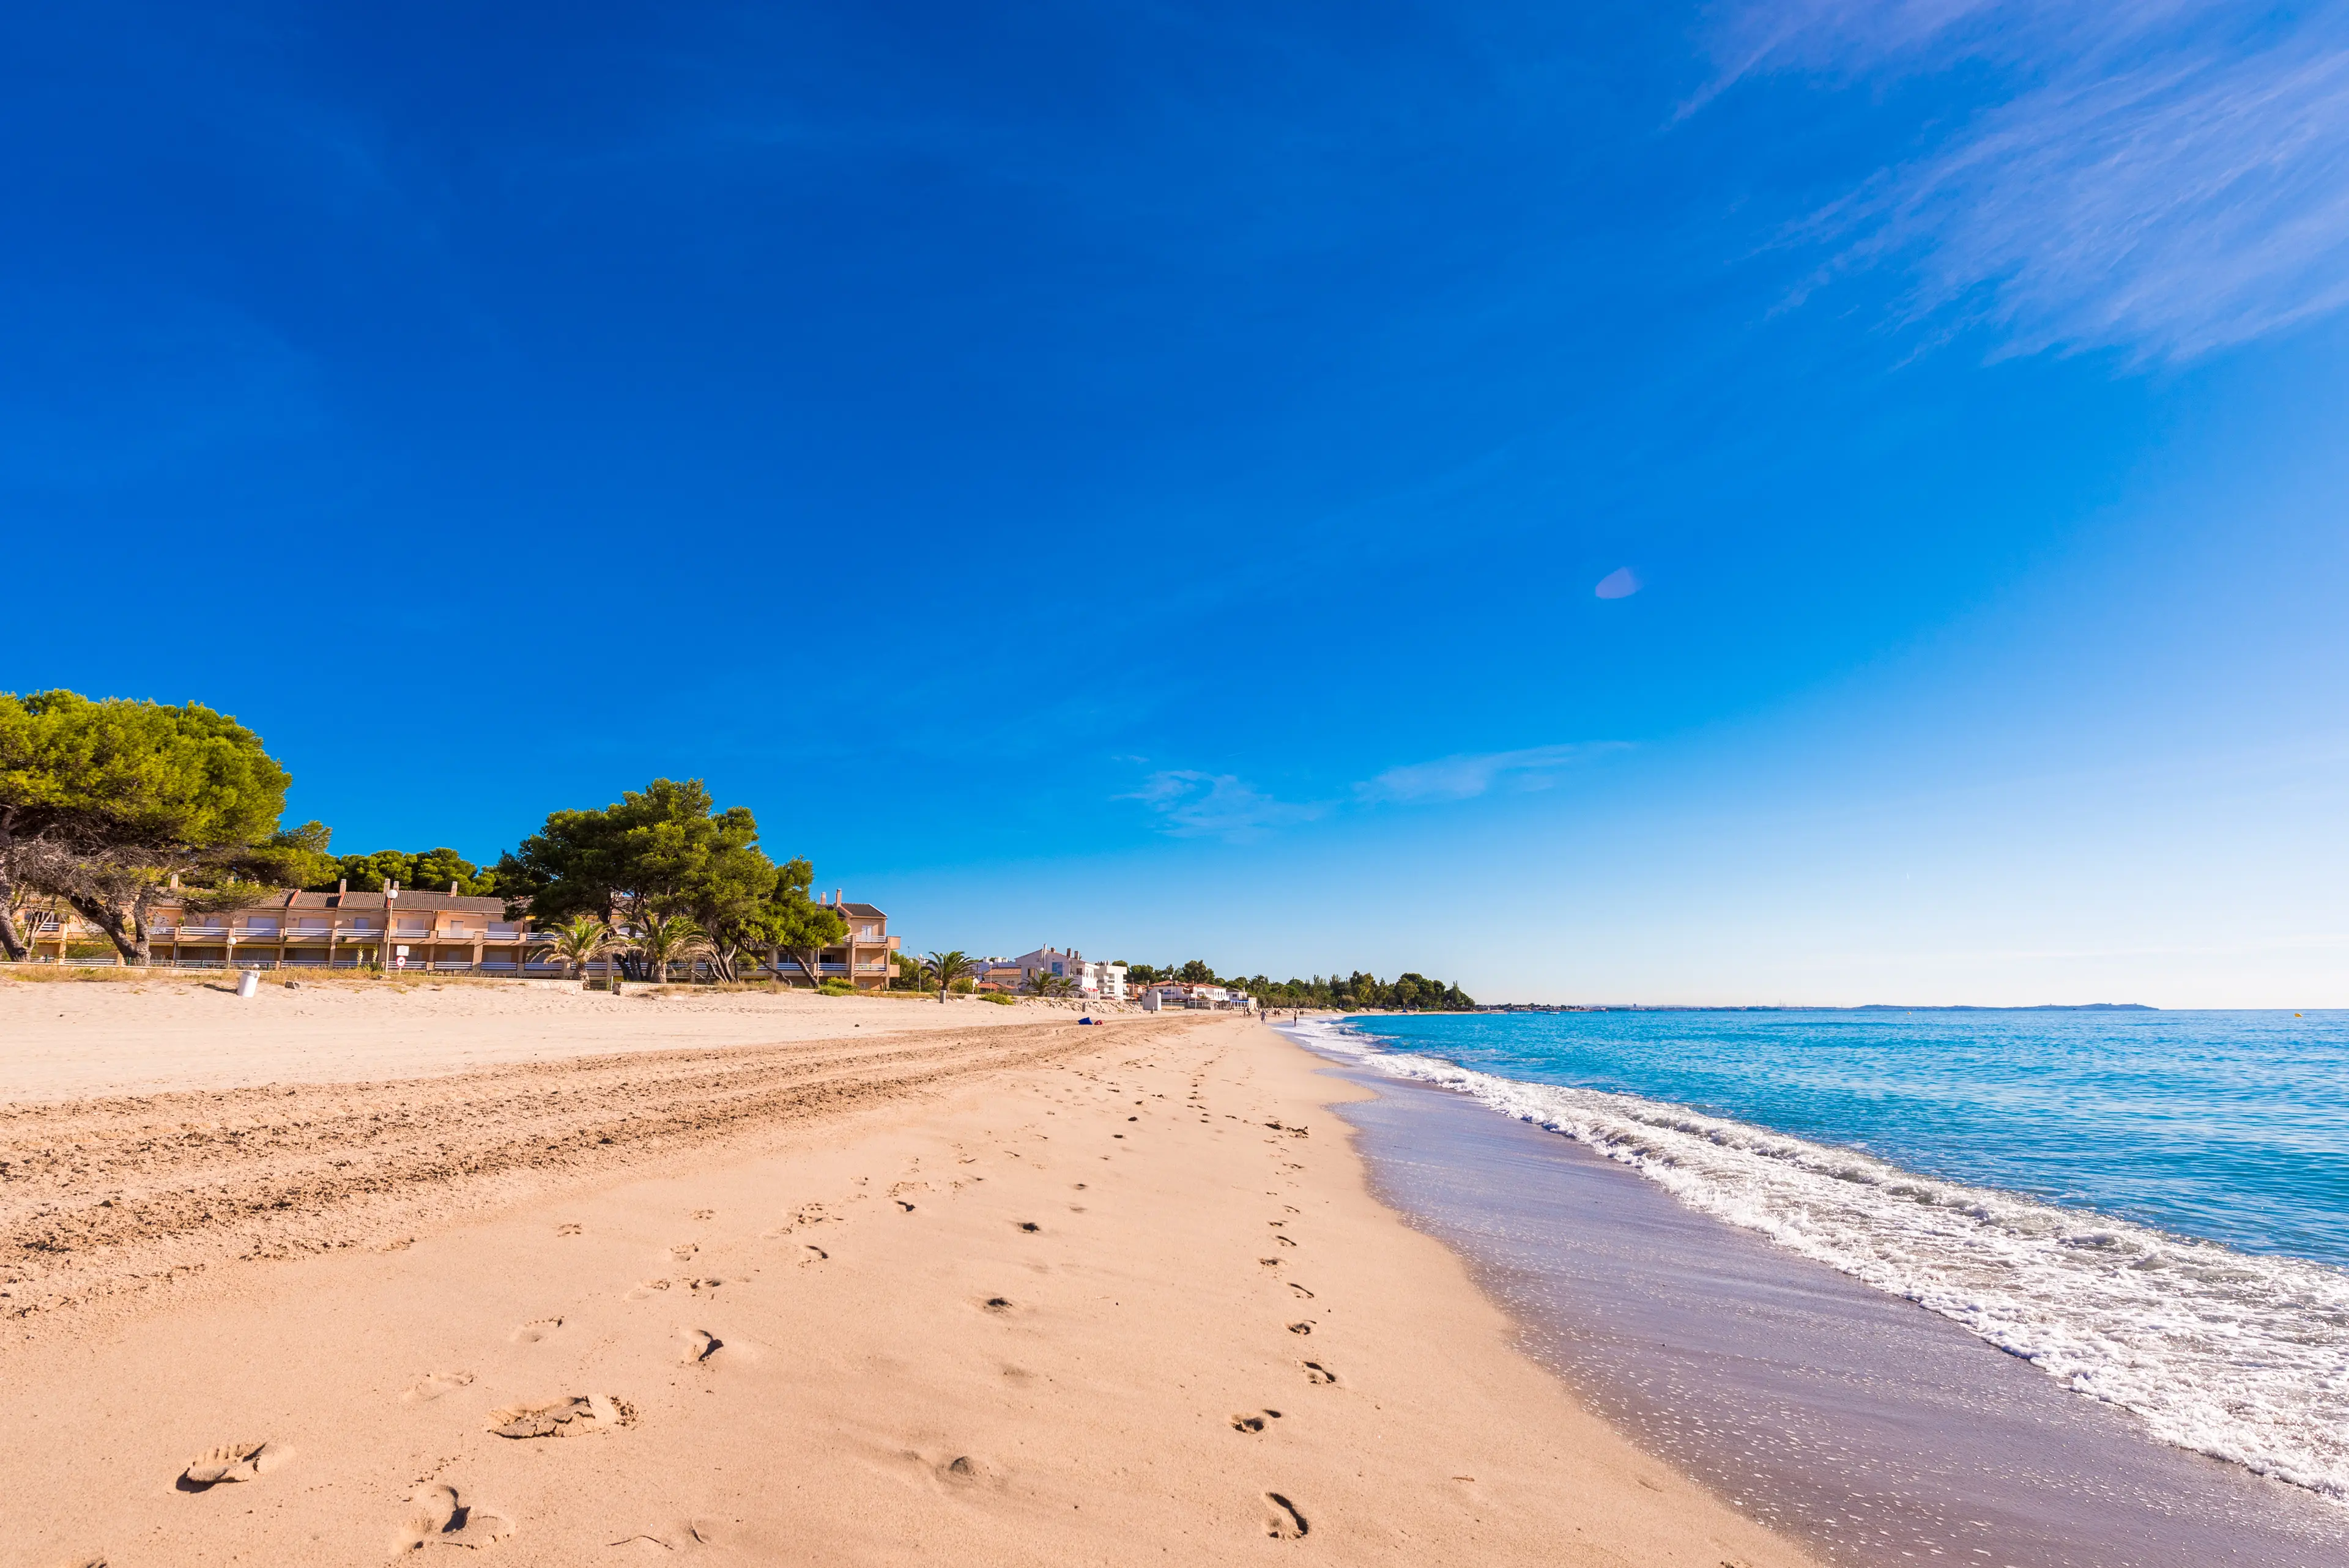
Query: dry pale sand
[1026, 1294]
[65, 1039]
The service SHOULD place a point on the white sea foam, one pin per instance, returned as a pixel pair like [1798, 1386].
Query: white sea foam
[2242, 1356]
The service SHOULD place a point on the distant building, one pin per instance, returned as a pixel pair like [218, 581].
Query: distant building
[997, 972]
[1171, 994]
[1049, 961]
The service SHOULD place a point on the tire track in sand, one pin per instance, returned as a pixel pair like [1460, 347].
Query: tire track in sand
[107, 1198]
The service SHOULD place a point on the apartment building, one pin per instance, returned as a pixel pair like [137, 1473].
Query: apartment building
[405, 931]
[868, 958]
[398, 929]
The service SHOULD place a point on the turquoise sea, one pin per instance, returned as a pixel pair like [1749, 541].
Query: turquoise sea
[2151, 1206]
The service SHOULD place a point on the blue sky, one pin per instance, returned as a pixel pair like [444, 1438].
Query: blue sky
[1145, 476]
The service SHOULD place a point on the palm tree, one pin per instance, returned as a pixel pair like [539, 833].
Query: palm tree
[1046, 983]
[949, 968]
[662, 940]
[581, 942]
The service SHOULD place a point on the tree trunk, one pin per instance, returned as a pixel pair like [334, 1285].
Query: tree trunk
[809, 959]
[129, 937]
[12, 940]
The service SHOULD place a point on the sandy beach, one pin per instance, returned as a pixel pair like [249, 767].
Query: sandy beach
[574, 1279]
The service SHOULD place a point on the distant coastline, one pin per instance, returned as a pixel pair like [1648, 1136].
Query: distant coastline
[1799, 1007]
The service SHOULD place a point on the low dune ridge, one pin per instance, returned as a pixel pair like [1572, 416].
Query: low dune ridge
[1021, 1292]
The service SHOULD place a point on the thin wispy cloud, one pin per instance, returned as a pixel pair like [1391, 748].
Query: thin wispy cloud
[1194, 804]
[1217, 805]
[1464, 777]
[2162, 179]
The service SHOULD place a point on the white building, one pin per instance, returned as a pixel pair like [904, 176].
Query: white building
[1105, 981]
[1170, 994]
[1085, 976]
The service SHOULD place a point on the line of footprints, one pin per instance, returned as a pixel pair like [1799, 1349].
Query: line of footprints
[1284, 1520]
[441, 1514]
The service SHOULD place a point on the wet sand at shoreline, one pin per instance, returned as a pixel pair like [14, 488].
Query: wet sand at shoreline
[1866, 1425]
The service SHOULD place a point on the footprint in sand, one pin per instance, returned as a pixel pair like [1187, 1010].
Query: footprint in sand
[1316, 1372]
[647, 1288]
[436, 1385]
[705, 1213]
[1301, 1328]
[1282, 1521]
[437, 1513]
[566, 1230]
[1302, 1293]
[1254, 1422]
[536, 1329]
[233, 1462]
[812, 1254]
[575, 1416]
[697, 1345]
[683, 1250]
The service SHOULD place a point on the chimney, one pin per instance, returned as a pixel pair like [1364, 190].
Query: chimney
[836, 898]
[342, 886]
[452, 889]
[175, 881]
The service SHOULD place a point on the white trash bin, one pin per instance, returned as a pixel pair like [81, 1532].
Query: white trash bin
[248, 982]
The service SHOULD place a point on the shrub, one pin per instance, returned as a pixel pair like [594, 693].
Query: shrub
[999, 999]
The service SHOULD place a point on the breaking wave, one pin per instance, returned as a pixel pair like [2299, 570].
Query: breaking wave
[2242, 1356]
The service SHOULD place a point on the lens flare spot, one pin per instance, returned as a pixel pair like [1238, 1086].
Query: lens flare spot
[1617, 585]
